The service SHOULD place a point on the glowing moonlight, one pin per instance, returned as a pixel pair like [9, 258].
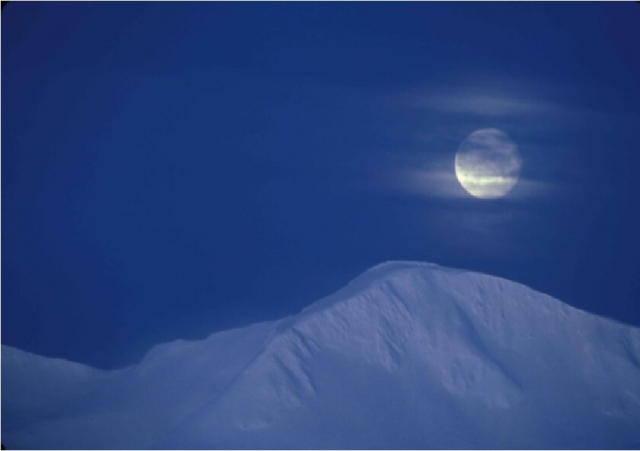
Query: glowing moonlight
[488, 164]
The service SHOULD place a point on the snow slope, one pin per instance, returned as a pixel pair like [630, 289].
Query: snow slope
[408, 355]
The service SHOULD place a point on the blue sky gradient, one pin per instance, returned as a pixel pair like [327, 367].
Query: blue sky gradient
[173, 169]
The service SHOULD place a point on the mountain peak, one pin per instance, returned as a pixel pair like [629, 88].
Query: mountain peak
[407, 355]
[480, 342]
[375, 276]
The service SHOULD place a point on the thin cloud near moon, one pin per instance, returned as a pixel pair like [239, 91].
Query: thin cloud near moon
[436, 178]
[427, 166]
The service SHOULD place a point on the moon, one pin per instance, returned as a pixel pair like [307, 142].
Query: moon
[488, 163]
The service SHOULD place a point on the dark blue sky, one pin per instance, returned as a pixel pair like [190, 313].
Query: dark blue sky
[173, 169]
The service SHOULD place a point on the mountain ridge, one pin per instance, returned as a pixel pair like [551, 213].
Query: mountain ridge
[388, 352]
[407, 354]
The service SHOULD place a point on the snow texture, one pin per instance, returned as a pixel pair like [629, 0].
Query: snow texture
[408, 355]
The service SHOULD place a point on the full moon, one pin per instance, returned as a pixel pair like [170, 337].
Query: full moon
[488, 164]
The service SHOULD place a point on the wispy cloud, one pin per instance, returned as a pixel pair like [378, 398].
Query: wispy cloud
[442, 116]
[479, 101]
[437, 183]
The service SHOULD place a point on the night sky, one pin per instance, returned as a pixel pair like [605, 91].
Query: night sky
[174, 169]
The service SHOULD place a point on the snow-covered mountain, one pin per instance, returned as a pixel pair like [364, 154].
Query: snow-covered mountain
[408, 355]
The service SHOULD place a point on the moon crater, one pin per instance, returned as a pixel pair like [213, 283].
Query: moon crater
[487, 163]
